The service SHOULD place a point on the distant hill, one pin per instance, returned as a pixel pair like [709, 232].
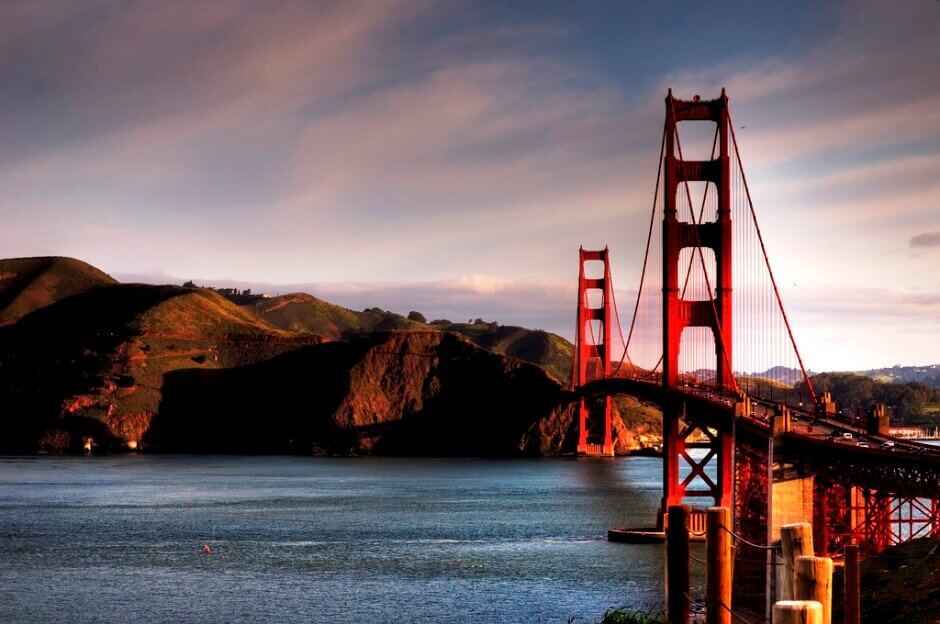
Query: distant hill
[929, 375]
[911, 402]
[28, 284]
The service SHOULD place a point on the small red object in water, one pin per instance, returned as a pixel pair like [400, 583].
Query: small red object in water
[206, 549]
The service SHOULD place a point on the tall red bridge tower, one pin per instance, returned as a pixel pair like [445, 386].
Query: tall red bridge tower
[714, 313]
[592, 353]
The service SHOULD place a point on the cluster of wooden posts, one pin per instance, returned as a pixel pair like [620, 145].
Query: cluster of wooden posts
[803, 582]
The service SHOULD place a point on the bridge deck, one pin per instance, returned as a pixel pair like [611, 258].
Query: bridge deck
[901, 465]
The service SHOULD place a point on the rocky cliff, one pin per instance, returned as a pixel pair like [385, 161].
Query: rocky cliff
[401, 392]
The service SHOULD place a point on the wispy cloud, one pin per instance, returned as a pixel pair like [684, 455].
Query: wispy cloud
[926, 239]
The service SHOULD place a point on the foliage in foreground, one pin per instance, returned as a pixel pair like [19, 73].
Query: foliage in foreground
[622, 615]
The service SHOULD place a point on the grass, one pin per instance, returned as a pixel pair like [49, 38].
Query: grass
[303, 312]
[27, 284]
[200, 313]
[300, 312]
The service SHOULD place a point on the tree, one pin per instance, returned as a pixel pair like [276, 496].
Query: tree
[417, 316]
[907, 401]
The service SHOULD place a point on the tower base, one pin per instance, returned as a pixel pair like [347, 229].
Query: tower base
[596, 450]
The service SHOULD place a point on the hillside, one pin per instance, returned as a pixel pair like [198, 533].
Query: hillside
[28, 284]
[398, 393]
[388, 393]
[85, 357]
[303, 312]
[300, 312]
[908, 403]
[95, 363]
[899, 585]
[414, 393]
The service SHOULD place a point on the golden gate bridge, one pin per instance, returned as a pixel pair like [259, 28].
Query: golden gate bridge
[714, 301]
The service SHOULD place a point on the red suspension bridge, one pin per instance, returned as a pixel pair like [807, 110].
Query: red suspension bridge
[772, 454]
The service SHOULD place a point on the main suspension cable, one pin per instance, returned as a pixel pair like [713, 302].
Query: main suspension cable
[646, 255]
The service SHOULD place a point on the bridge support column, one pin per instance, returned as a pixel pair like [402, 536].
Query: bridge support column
[683, 432]
[681, 429]
[592, 354]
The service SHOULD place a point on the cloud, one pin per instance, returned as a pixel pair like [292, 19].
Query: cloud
[362, 150]
[265, 132]
[859, 88]
[926, 239]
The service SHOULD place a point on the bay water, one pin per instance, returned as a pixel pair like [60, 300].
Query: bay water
[301, 539]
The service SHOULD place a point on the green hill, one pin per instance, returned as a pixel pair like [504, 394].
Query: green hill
[28, 284]
[303, 312]
[550, 351]
[300, 312]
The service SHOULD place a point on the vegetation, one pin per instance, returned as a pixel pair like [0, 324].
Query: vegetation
[300, 312]
[303, 312]
[622, 615]
[911, 402]
[640, 418]
[900, 585]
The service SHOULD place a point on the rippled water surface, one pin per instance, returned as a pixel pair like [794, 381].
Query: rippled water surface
[118, 539]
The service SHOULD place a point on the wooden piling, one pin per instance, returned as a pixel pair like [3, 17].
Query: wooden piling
[677, 565]
[853, 606]
[814, 582]
[798, 612]
[797, 541]
[718, 565]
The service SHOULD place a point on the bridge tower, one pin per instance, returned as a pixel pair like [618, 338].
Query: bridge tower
[592, 354]
[679, 425]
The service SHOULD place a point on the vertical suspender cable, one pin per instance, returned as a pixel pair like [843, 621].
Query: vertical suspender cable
[760, 238]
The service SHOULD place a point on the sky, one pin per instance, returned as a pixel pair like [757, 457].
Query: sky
[451, 157]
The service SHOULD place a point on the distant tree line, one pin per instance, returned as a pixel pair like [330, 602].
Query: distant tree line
[908, 402]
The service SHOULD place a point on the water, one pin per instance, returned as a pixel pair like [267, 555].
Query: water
[117, 539]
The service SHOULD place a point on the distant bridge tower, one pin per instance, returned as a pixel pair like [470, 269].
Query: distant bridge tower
[592, 355]
[679, 425]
